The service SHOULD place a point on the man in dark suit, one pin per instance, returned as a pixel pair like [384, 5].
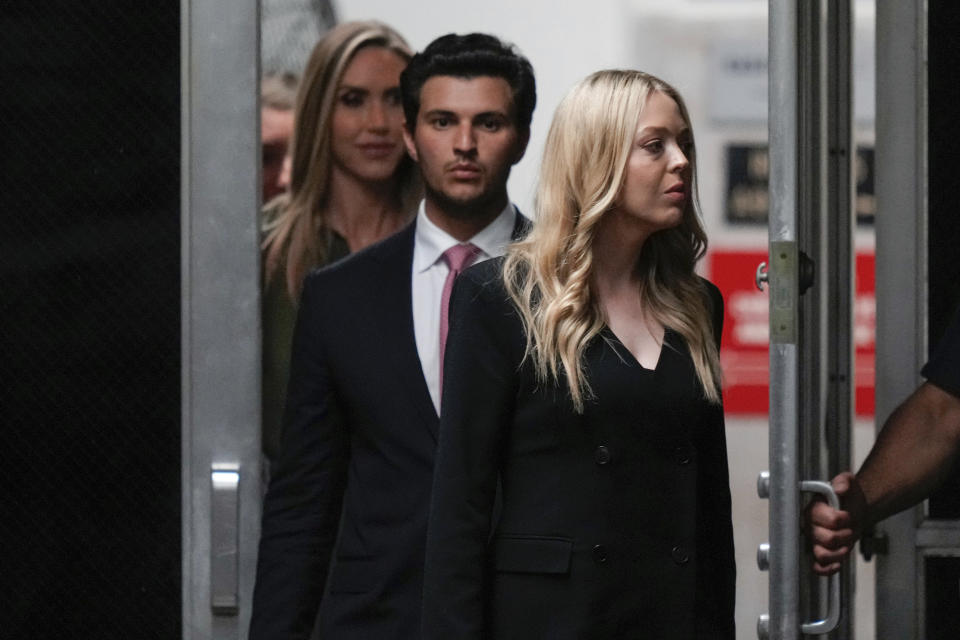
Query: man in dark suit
[351, 490]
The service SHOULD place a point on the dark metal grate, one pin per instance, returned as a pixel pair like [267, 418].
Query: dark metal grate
[90, 338]
[942, 226]
[942, 575]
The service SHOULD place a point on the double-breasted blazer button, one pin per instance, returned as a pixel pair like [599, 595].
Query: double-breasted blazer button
[679, 555]
[683, 455]
[602, 455]
[600, 554]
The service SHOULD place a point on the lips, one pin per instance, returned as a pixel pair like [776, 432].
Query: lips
[464, 170]
[377, 149]
[677, 188]
[677, 192]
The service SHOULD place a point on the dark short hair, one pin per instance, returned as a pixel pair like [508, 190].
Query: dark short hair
[470, 56]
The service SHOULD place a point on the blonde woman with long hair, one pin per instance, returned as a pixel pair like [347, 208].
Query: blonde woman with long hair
[351, 182]
[582, 377]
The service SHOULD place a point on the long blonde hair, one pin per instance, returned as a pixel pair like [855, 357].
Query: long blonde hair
[296, 234]
[548, 273]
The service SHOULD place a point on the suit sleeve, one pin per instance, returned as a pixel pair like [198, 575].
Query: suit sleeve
[716, 581]
[480, 376]
[301, 509]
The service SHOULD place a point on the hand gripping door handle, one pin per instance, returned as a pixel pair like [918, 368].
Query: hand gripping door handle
[829, 623]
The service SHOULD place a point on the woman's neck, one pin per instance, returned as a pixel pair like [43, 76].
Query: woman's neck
[364, 212]
[616, 250]
[616, 285]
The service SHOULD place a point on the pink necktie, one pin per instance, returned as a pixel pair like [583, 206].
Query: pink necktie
[458, 258]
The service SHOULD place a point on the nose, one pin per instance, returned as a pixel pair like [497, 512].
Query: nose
[377, 119]
[679, 161]
[465, 142]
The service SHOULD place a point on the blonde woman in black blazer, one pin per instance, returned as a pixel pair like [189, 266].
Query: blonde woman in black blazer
[582, 382]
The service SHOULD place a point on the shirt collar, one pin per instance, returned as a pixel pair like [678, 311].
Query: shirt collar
[432, 241]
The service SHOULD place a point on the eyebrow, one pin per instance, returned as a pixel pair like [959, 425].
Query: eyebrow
[661, 130]
[498, 114]
[438, 112]
[349, 87]
[454, 114]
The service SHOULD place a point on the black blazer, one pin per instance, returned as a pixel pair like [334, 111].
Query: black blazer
[356, 463]
[614, 523]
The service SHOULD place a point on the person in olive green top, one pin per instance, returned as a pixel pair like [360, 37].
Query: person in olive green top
[351, 183]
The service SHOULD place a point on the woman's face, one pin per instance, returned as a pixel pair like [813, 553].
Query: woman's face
[366, 135]
[658, 175]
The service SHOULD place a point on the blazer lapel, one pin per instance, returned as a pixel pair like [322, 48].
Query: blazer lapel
[397, 307]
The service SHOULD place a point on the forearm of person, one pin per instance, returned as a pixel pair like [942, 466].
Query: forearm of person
[913, 453]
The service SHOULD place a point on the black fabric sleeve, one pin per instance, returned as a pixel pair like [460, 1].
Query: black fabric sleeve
[479, 388]
[301, 509]
[943, 369]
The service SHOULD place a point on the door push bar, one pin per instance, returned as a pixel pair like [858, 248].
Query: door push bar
[830, 622]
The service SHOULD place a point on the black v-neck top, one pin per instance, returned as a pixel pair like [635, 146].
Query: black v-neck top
[614, 523]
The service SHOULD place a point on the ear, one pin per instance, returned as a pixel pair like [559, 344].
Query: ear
[522, 140]
[408, 143]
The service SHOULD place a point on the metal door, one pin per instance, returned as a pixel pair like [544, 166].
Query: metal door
[918, 567]
[220, 314]
[810, 279]
[918, 562]
[130, 286]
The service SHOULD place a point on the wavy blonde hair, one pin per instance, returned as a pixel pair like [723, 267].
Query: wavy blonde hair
[581, 177]
[295, 232]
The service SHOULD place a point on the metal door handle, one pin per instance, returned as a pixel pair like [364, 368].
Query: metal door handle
[761, 276]
[829, 623]
[224, 540]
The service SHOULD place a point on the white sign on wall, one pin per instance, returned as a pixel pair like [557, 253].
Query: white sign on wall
[737, 81]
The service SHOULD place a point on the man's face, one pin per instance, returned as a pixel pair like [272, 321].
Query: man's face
[466, 140]
[276, 129]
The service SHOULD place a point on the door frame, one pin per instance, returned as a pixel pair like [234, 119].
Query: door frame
[220, 314]
[901, 277]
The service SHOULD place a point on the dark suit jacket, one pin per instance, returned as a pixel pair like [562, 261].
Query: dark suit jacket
[615, 523]
[356, 460]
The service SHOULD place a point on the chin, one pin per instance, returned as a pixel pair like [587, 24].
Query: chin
[464, 206]
[378, 173]
[465, 198]
[673, 219]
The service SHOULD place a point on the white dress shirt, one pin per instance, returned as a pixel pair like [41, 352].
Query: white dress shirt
[430, 272]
